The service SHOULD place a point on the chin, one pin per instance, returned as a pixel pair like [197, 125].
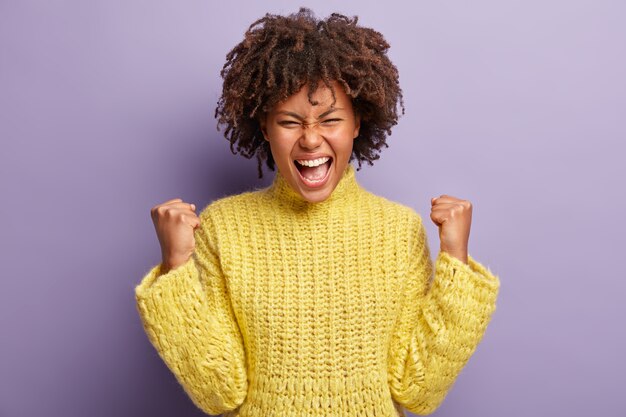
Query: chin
[316, 197]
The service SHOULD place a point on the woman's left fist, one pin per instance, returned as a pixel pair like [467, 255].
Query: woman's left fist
[453, 217]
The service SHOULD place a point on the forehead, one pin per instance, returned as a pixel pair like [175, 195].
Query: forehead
[322, 96]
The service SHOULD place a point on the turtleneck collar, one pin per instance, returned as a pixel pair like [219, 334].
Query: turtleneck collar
[347, 188]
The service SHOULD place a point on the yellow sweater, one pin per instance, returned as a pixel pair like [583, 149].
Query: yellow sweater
[291, 308]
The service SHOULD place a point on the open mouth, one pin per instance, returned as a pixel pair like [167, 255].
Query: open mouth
[316, 175]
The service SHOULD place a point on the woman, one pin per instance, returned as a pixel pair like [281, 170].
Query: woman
[313, 296]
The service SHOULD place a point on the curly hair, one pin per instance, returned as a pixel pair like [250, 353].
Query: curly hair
[275, 60]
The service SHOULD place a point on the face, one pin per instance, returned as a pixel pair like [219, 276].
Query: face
[300, 131]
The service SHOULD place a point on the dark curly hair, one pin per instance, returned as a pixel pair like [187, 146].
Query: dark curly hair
[276, 60]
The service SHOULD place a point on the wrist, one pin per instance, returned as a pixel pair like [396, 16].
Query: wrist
[460, 254]
[168, 265]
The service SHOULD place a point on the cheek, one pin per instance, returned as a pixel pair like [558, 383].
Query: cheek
[282, 149]
[341, 147]
[343, 140]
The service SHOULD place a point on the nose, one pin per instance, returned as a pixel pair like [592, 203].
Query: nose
[310, 138]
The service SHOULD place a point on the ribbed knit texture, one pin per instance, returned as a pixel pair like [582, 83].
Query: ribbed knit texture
[291, 308]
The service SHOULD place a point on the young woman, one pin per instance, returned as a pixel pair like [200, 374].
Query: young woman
[313, 296]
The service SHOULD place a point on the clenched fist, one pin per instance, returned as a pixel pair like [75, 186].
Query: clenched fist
[175, 222]
[453, 217]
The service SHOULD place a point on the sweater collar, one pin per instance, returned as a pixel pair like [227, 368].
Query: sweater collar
[347, 189]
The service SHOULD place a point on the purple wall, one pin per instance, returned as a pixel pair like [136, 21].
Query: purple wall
[106, 109]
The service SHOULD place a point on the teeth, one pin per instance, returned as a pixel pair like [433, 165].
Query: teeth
[313, 162]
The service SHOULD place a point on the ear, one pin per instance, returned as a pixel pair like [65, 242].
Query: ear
[357, 125]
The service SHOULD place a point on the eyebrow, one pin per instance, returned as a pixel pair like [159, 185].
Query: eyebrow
[297, 116]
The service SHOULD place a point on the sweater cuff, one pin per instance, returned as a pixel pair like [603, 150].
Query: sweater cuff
[155, 279]
[478, 273]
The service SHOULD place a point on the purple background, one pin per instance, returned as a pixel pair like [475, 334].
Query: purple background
[106, 109]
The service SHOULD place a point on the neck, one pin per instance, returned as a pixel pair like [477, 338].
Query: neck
[347, 189]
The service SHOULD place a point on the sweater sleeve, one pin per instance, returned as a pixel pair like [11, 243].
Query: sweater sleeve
[441, 322]
[188, 318]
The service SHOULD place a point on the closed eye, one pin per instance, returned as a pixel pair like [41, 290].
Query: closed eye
[291, 122]
[287, 122]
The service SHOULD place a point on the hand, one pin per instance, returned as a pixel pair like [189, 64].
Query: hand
[175, 222]
[453, 217]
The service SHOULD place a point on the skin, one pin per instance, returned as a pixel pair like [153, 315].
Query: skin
[334, 136]
[453, 217]
[175, 222]
[292, 137]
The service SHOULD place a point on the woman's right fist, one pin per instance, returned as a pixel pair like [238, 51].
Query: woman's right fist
[175, 222]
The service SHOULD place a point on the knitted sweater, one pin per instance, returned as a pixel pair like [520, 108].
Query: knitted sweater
[334, 308]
